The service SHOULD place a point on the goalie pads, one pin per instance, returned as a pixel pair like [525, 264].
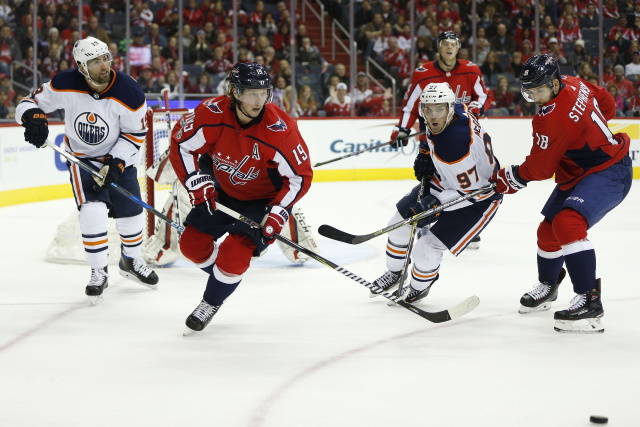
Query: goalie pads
[299, 231]
[161, 171]
[163, 247]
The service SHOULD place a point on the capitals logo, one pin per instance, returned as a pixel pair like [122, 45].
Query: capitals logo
[546, 110]
[91, 128]
[279, 126]
[213, 106]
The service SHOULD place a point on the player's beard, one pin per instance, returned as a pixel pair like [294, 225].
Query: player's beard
[100, 77]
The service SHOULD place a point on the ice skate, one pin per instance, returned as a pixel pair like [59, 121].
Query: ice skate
[136, 269]
[474, 243]
[200, 318]
[387, 281]
[411, 295]
[99, 281]
[584, 314]
[541, 297]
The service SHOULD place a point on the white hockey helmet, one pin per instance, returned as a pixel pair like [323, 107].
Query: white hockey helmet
[87, 49]
[438, 93]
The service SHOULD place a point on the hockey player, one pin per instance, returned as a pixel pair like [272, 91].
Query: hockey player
[261, 169]
[455, 158]
[163, 246]
[104, 125]
[593, 174]
[464, 77]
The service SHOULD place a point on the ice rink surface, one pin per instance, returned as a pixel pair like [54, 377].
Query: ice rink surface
[304, 345]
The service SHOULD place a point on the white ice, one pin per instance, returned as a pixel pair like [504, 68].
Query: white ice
[305, 346]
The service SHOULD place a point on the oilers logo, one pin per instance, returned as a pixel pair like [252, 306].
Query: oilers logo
[91, 128]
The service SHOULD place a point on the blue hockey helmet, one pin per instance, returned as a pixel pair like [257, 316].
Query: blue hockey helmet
[539, 70]
[250, 75]
[448, 35]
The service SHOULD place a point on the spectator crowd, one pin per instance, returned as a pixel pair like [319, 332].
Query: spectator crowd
[504, 40]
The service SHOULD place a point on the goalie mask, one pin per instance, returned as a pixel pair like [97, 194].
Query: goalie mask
[90, 53]
[437, 102]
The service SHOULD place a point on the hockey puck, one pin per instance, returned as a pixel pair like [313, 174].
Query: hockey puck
[598, 419]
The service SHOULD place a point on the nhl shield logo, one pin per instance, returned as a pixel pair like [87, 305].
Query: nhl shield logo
[91, 128]
[279, 126]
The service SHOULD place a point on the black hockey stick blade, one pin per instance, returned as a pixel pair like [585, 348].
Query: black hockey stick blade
[445, 315]
[352, 239]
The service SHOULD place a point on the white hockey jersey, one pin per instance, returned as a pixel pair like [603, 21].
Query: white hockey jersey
[463, 157]
[96, 124]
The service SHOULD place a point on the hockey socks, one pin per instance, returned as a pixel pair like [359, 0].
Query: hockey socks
[549, 266]
[580, 258]
[219, 287]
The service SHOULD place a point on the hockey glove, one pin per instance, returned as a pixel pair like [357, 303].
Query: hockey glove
[111, 171]
[507, 180]
[202, 193]
[399, 136]
[273, 222]
[423, 166]
[36, 127]
[424, 204]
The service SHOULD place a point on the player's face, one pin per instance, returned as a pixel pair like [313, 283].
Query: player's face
[252, 101]
[540, 95]
[99, 69]
[448, 51]
[436, 116]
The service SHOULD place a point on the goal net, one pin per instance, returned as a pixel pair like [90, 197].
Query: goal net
[66, 246]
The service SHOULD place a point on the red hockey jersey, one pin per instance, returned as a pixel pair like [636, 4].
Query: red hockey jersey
[571, 137]
[465, 80]
[267, 160]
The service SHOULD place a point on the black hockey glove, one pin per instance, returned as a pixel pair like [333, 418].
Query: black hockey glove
[399, 136]
[423, 166]
[424, 204]
[111, 171]
[36, 127]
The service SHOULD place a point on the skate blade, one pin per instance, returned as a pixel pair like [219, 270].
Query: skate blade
[473, 245]
[542, 307]
[95, 299]
[188, 331]
[133, 278]
[593, 326]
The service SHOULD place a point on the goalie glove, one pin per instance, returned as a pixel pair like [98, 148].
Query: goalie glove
[36, 127]
[202, 193]
[111, 171]
[399, 137]
[508, 181]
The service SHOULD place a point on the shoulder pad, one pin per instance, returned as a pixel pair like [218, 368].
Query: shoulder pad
[126, 90]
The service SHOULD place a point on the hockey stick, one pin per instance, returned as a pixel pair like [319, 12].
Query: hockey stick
[92, 171]
[436, 317]
[407, 259]
[342, 236]
[355, 153]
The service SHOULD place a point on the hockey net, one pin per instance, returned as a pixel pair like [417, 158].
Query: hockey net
[66, 246]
